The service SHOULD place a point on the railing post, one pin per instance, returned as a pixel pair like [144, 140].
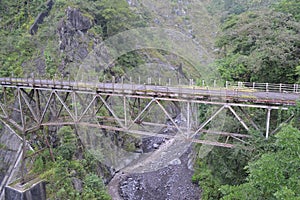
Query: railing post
[294, 88]
[203, 83]
[215, 83]
[226, 84]
[139, 80]
[267, 87]
[253, 85]
[159, 81]
[280, 87]
[169, 82]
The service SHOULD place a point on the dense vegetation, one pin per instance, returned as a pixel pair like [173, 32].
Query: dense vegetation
[69, 169]
[72, 173]
[259, 41]
[253, 43]
[22, 53]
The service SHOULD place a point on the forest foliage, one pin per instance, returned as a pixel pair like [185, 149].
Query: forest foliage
[25, 55]
[259, 46]
[259, 41]
[22, 53]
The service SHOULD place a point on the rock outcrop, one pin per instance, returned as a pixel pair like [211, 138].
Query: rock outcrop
[40, 18]
[73, 40]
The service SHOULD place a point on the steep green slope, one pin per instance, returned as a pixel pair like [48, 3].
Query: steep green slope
[259, 41]
[54, 39]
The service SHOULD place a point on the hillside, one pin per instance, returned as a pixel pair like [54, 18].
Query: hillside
[154, 42]
[55, 39]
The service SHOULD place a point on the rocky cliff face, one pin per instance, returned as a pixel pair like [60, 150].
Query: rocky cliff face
[10, 146]
[73, 37]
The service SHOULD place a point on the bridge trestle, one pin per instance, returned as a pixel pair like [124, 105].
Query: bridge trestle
[142, 110]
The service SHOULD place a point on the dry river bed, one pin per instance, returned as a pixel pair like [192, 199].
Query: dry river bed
[164, 173]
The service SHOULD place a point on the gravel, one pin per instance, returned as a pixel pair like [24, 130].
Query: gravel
[169, 183]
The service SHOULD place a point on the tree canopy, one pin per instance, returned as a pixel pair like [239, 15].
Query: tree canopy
[259, 46]
[275, 175]
[290, 7]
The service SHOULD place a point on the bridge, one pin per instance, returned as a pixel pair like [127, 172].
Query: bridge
[29, 104]
[70, 103]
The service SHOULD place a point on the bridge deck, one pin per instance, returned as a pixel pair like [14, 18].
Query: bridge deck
[230, 94]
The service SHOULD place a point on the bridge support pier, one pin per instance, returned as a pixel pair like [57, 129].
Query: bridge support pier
[32, 190]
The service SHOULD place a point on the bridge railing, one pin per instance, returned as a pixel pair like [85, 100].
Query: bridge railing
[180, 83]
[216, 84]
[267, 87]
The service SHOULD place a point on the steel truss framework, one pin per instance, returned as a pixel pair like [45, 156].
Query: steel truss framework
[28, 105]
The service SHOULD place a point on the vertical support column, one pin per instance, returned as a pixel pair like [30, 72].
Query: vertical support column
[23, 156]
[4, 95]
[38, 103]
[125, 111]
[23, 137]
[268, 123]
[75, 106]
[196, 111]
[188, 123]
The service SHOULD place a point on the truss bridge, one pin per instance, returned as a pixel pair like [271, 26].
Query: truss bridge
[171, 111]
[29, 104]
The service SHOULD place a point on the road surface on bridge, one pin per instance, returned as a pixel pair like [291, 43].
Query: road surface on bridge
[240, 94]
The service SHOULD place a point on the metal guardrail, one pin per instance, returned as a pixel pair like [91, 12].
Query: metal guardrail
[159, 83]
[267, 87]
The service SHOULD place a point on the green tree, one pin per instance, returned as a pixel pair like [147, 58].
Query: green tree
[94, 188]
[260, 46]
[275, 175]
[290, 7]
[115, 16]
